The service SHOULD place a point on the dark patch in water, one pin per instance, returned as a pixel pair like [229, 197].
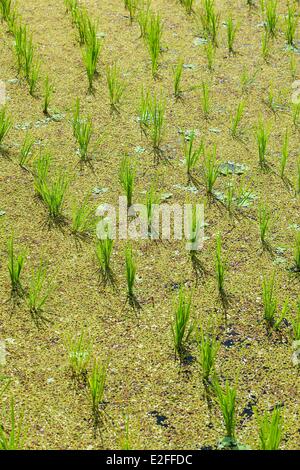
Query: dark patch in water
[160, 419]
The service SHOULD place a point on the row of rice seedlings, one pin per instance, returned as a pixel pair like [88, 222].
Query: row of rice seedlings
[88, 38]
[192, 154]
[25, 53]
[5, 124]
[182, 326]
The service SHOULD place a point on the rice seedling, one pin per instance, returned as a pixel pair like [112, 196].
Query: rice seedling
[15, 267]
[191, 154]
[284, 154]
[53, 193]
[296, 323]
[144, 111]
[83, 129]
[48, 92]
[291, 22]
[297, 253]
[83, 219]
[194, 238]
[125, 440]
[227, 401]
[264, 219]
[270, 430]
[39, 291]
[157, 107]
[5, 9]
[219, 266]
[188, 5]
[247, 80]
[131, 6]
[40, 170]
[208, 348]
[298, 177]
[79, 355]
[262, 137]
[96, 385]
[293, 66]
[116, 87]
[151, 200]
[20, 42]
[153, 39]
[205, 99]
[127, 177]
[182, 327]
[90, 56]
[265, 45]
[236, 118]
[271, 20]
[28, 53]
[34, 77]
[177, 75]
[270, 304]
[210, 20]
[230, 197]
[231, 34]
[210, 55]
[104, 248]
[25, 151]
[12, 435]
[210, 170]
[143, 17]
[5, 124]
[130, 275]
[296, 114]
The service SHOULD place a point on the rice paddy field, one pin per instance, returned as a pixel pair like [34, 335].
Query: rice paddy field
[142, 343]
